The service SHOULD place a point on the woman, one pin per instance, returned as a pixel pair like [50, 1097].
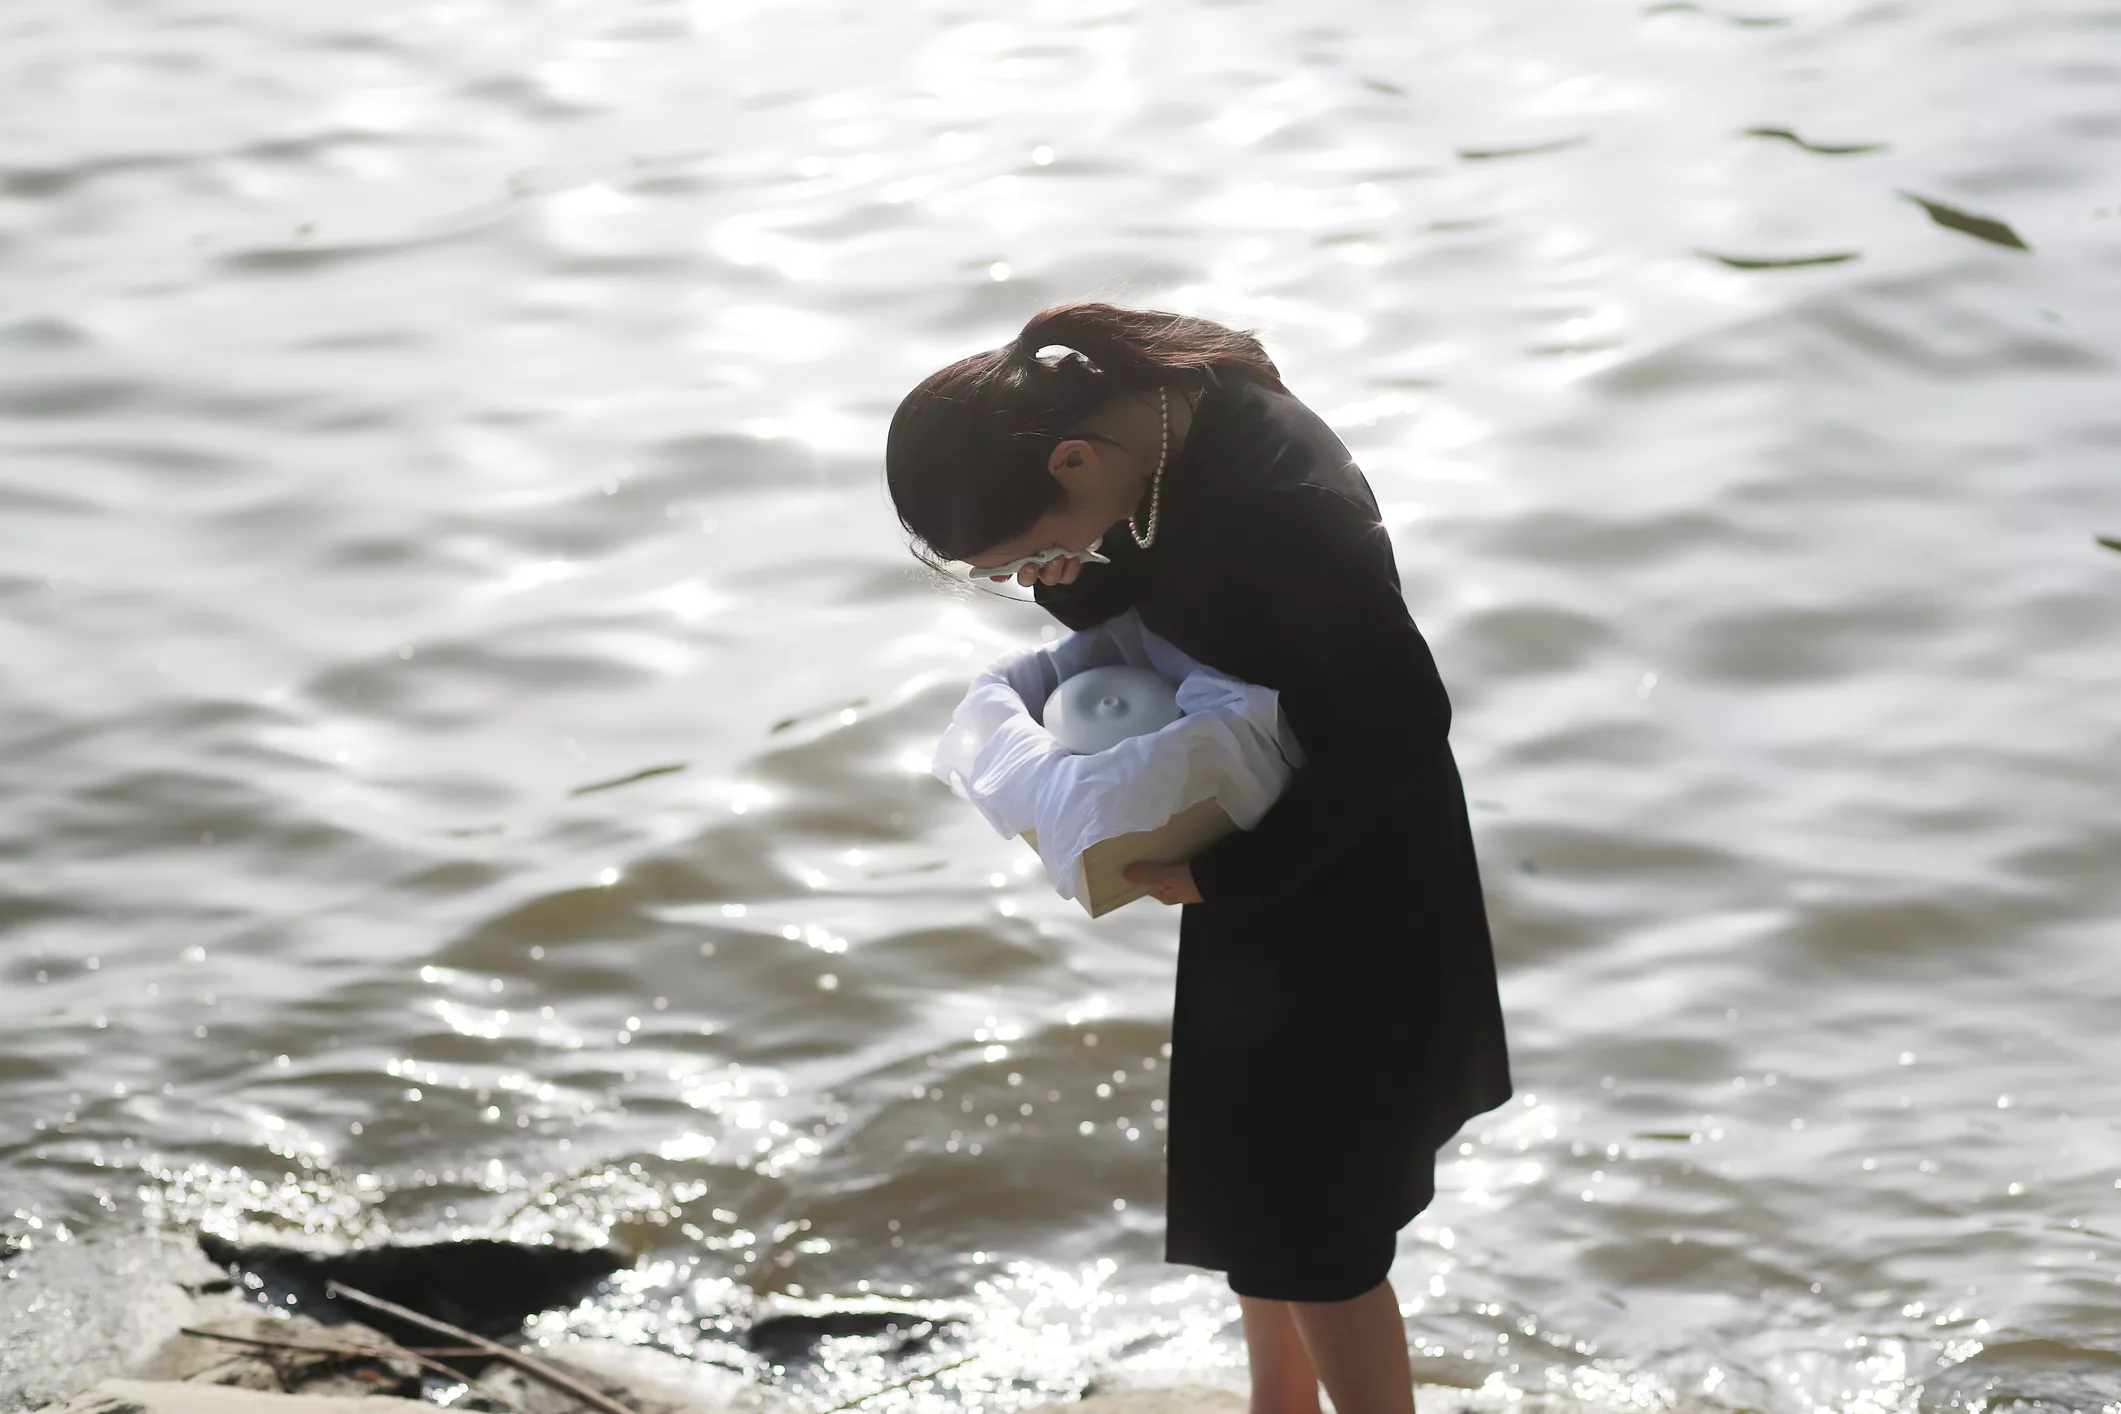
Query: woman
[1336, 1017]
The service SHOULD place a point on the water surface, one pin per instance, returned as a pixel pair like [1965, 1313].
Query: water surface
[468, 704]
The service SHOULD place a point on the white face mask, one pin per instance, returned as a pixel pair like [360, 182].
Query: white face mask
[1088, 557]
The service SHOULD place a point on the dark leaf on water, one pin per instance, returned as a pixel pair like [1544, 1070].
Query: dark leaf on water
[1822, 148]
[628, 780]
[1673, 1135]
[1785, 262]
[929, 868]
[1981, 228]
[786, 722]
[1487, 154]
[465, 831]
[1673, 7]
[1588, 346]
[1385, 86]
[2109, 541]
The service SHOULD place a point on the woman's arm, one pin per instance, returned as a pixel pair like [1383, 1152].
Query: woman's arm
[1369, 707]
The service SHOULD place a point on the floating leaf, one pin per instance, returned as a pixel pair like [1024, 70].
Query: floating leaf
[1384, 86]
[467, 830]
[1786, 262]
[1824, 149]
[1488, 154]
[628, 780]
[909, 869]
[1674, 7]
[786, 722]
[2110, 542]
[1673, 1135]
[1981, 228]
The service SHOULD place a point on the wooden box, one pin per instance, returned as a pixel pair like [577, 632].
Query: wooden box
[1100, 879]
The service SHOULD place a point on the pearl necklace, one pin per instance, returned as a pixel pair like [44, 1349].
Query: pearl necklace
[1156, 482]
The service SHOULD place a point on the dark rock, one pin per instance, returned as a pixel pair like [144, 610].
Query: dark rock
[484, 1286]
[791, 1338]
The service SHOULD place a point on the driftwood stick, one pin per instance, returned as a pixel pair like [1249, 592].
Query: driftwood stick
[901, 1384]
[529, 1365]
[390, 1347]
[421, 1357]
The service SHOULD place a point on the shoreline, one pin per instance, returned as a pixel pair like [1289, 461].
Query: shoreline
[124, 1309]
[113, 1317]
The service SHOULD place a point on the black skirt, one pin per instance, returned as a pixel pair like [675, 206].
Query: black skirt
[1336, 1016]
[1320, 1056]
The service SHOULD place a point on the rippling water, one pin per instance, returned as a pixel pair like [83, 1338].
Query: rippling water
[467, 703]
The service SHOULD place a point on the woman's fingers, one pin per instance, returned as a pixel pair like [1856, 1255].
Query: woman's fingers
[1167, 883]
[1061, 570]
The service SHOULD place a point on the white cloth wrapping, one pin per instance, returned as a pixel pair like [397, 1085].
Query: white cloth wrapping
[1232, 743]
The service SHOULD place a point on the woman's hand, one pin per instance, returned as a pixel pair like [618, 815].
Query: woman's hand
[1057, 571]
[1169, 883]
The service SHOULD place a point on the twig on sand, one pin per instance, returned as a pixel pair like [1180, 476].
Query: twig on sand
[539, 1370]
[423, 1357]
[363, 1347]
[901, 1384]
[529, 1365]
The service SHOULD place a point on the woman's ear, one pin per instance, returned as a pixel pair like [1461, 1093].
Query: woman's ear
[1067, 458]
[1071, 462]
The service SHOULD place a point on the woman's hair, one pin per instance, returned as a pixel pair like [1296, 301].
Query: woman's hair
[966, 456]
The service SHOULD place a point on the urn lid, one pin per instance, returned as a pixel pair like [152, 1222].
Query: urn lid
[1099, 708]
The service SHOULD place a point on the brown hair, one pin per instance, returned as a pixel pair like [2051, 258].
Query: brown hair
[965, 460]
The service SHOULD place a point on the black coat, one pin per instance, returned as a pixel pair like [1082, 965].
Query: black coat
[1336, 1017]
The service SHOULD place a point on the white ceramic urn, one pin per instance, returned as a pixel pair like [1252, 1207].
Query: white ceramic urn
[1099, 708]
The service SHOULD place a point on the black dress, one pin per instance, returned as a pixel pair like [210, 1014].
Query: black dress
[1336, 1016]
